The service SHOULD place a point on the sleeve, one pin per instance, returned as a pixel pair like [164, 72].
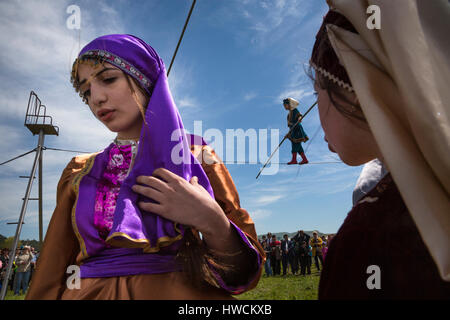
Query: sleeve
[297, 115]
[227, 197]
[60, 246]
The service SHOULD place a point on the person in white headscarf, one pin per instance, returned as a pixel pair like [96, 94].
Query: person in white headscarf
[382, 93]
[296, 133]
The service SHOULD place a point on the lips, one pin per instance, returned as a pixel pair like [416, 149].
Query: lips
[105, 114]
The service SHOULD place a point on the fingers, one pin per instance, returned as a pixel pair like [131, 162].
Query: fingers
[166, 175]
[194, 180]
[149, 192]
[152, 207]
[153, 182]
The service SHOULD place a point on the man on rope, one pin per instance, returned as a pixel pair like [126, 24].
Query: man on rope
[297, 135]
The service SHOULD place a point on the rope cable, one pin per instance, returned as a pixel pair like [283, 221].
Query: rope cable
[307, 147]
[17, 157]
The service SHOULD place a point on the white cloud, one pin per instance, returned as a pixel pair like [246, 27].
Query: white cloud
[259, 214]
[295, 92]
[271, 20]
[187, 102]
[267, 199]
[250, 96]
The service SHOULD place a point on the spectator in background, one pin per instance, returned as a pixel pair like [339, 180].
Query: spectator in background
[33, 262]
[268, 252]
[316, 244]
[269, 238]
[304, 258]
[309, 256]
[4, 256]
[23, 272]
[3, 259]
[299, 238]
[276, 255]
[326, 245]
[292, 257]
[262, 240]
[3, 265]
[285, 253]
[13, 278]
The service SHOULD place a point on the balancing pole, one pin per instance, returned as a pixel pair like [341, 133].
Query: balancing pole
[181, 37]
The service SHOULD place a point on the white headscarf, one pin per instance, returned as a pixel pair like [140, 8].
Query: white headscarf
[292, 103]
[401, 74]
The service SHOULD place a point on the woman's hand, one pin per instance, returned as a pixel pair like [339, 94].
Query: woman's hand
[187, 203]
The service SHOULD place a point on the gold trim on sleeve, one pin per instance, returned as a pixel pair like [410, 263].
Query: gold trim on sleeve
[76, 187]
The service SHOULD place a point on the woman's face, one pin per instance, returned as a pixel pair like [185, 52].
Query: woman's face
[350, 138]
[110, 99]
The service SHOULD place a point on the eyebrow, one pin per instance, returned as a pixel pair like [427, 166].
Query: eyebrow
[97, 74]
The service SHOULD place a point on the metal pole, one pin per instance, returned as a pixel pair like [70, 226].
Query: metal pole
[12, 253]
[40, 196]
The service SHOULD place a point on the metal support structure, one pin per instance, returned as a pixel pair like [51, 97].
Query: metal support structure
[22, 214]
[40, 196]
[38, 122]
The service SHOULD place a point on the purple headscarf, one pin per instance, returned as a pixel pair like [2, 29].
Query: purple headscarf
[162, 139]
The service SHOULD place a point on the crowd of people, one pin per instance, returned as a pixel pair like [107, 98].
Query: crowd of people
[22, 271]
[295, 254]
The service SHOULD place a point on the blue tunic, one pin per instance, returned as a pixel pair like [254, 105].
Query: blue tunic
[297, 135]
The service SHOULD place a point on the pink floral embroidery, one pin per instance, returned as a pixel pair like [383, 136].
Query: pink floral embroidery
[108, 187]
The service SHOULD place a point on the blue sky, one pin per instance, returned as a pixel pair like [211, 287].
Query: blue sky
[238, 60]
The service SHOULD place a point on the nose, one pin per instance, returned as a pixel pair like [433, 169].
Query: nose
[98, 94]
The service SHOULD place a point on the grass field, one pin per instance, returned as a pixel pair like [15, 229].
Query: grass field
[10, 296]
[289, 287]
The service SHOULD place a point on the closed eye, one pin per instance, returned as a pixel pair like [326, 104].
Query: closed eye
[109, 80]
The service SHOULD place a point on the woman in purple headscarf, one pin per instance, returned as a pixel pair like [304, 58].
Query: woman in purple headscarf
[129, 216]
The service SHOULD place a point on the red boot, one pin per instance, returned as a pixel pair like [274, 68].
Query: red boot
[294, 158]
[304, 160]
